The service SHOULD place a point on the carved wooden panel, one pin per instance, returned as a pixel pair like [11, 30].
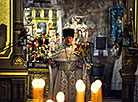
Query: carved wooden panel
[12, 90]
[128, 89]
[18, 90]
[5, 90]
[128, 77]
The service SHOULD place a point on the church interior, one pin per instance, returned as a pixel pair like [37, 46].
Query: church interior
[105, 34]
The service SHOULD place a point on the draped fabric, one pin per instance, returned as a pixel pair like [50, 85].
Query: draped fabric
[66, 70]
[136, 86]
[116, 83]
[116, 14]
[65, 81]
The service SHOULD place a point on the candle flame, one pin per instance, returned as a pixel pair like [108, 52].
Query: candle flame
[131, 9]
[49, 100]
[95, 86]
[38, 83]
[80, 86]
[98, 83]
[60, 97]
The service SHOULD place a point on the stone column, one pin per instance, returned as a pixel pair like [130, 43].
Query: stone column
[18, 25]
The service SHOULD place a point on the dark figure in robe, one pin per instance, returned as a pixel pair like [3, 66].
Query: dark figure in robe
[67, 68]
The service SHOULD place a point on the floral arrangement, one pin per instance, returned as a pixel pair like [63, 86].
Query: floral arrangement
[82, 49]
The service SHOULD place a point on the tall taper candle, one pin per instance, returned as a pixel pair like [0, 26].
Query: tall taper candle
[80, 87]
[38, 89]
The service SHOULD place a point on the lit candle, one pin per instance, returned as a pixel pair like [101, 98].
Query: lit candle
[86, 36]
[80, 36]
[49, 100]
[99, 94]
[83, 34]
[98, 83]
[60, 97]
[38, 89]
[80, 87]
[96, 94]
[94, 91]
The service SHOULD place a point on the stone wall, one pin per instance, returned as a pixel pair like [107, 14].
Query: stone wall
[96, 14]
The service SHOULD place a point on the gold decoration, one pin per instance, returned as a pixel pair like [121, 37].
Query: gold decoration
[5, 11]
[18, 61]
[13, 73]
[129, 62]
[69, 66]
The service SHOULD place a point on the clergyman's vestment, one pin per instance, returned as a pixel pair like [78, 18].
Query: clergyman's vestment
[66, 70]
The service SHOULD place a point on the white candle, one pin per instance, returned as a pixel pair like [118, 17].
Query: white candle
[96, 91]
[86, 36]
[38, 89]
[80, 87]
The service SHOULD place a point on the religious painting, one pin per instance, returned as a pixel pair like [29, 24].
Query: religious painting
[55, 23]
[54, 14]
[126, 41]
[41, 28]
[6, 28]
[42, 35]
[100, 43]
[46, 14]
[29, 12]
[28, 30]
[37, 13]
[3, 36]
[80, 28]
[28, 17]
[116, 14]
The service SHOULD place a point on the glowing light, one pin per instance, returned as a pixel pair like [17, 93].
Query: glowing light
[98, 83]
[80, 86]
[96, 91]
[94, 88]
[60, 97]
[130, 9]
[38, 83]
[49, 100]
